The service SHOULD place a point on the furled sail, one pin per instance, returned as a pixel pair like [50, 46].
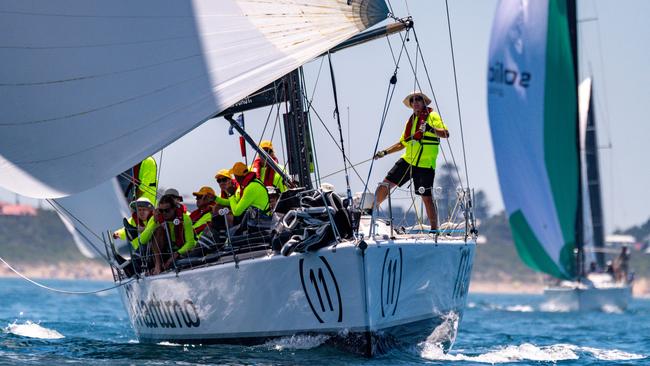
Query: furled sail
[594, 232]
[533, 121]
[90, 87]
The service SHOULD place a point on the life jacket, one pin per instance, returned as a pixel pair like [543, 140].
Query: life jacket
[269, 174]
[415, 140]
[177, 223]
[198, 213]
[249, 178]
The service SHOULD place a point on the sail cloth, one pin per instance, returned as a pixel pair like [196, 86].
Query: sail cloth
[584, 98]
[90, 214]
[91, 87]
[533, 122]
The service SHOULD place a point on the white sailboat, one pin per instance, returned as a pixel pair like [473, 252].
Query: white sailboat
[126, 79]
[547, 163]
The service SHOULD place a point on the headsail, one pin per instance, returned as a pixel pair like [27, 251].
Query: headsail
[90, 213]
[90, 87]
[533, 117]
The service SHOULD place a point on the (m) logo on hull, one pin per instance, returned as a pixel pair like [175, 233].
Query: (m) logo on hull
[391, 281]
[462, 276]
[321, 290]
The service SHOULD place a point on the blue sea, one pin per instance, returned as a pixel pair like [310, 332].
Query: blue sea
[40, 327]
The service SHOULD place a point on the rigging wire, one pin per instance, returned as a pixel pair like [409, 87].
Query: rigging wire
[390, 91]
[460, 119]
[318, 117]
[59, 208]
[312, 140]
[338, 121]
[59, 290]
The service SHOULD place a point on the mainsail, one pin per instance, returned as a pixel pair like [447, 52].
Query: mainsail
[90, 87]
[533, 119]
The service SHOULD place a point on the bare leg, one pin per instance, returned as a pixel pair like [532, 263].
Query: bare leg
[382, 192]
[158, 242]
[432, 214]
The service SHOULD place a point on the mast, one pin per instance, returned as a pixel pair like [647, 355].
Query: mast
[572, 16]
[296, 127]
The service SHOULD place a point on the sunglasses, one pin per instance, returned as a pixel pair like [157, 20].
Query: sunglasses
[268, 151]
[165, 210]
[223, 180]
[416, 99]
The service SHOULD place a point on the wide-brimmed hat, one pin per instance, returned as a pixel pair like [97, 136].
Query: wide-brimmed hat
[239, 169]
[223, 173]
[141, 202]
[205, 190]
[173, 192]
[417, 93]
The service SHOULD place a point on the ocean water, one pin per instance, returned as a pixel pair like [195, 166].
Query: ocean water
[39, 327]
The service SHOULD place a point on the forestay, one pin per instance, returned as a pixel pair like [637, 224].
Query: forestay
[90, 87]
[533, 117]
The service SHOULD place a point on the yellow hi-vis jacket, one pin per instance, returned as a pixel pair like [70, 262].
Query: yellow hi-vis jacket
[255, 195]
[423, 153]
[147, 177]
[122, 231]
[188, 232]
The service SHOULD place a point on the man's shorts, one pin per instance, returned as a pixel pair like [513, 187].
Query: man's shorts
[402, 172]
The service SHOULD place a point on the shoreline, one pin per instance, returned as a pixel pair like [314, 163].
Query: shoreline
[97, 271]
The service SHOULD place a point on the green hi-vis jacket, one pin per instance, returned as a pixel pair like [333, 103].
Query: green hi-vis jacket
[423, 153]
[188, 232]
[122, 231]
[254, 194]
[147, 176]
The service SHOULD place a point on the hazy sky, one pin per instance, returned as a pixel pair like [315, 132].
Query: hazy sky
[614, 49]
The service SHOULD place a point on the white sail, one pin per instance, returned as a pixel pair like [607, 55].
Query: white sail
[90, 87]
[90, 213]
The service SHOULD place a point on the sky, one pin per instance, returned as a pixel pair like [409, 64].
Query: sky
[614, 49]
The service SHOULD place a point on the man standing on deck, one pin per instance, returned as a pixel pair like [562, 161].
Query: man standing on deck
[421, 138]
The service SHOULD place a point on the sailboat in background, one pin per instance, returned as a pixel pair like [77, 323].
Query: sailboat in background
[125, 79]
[548, 185]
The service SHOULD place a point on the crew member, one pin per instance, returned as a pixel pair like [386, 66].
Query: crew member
[202, 216]
[264, 172]
[421, 138]
[141, 180]
[253, 192]
[142, 213]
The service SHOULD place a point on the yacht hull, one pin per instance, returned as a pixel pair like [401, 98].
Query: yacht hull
[609, 299]
[395, 292]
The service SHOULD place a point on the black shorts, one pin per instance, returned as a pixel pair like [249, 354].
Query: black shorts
[402, 172]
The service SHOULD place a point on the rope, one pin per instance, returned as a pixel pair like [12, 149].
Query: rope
[62, 291]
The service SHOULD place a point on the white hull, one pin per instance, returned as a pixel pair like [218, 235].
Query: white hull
[396, 291]
[581, 298]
